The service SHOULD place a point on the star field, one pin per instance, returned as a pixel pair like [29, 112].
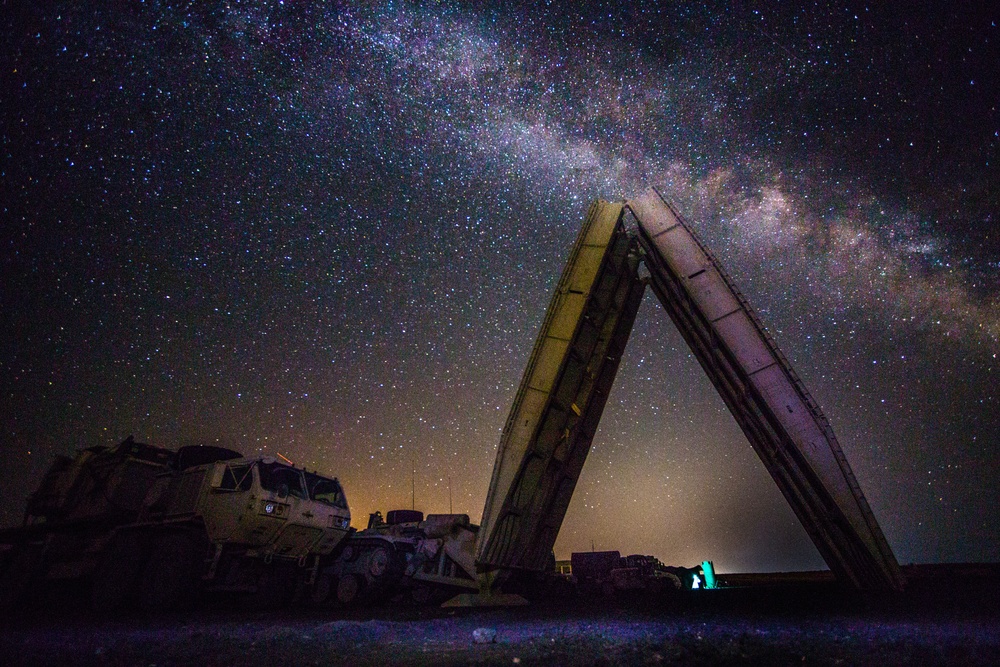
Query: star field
[331, 232]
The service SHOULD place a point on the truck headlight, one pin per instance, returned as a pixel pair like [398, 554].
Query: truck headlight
[272, 508]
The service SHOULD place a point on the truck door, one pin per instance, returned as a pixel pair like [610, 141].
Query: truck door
[229, 500]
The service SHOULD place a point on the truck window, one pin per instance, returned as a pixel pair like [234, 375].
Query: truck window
[237, 478]
[279, 478]
[326, 490]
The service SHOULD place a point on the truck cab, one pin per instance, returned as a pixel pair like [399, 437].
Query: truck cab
[274, 509]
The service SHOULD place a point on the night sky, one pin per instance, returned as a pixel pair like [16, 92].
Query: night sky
[331, 232]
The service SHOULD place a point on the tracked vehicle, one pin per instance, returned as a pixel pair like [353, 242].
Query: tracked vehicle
[403, 554]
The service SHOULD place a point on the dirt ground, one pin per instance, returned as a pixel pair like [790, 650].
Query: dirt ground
[811, 626]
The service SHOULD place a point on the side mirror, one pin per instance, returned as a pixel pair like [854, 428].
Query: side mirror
[282, 490]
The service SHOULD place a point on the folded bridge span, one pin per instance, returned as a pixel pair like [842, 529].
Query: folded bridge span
[572, 367]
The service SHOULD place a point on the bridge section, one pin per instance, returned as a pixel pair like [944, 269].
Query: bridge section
[574, 362]
[562, 395]
[784, 424]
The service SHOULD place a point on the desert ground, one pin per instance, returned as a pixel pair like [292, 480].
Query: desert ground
[936, 623]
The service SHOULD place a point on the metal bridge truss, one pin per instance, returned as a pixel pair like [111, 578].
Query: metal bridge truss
[573, 365]
[562, 395]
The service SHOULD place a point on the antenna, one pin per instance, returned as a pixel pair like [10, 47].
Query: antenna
[451, 508]
[413, 482]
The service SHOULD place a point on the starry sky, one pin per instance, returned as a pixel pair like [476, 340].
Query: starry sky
[330, 230]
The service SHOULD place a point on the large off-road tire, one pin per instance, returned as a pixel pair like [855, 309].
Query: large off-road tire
[323, 590]
[20, 576]
[171, 579]
[114, 585]
[384, 568]
[379, 564]
[349, 589]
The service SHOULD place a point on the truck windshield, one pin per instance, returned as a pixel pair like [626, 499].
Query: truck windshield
[326, 490]
[281, 479]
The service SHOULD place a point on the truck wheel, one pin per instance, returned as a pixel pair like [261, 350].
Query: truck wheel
[19, 575]
[322, 589]
[348, 589]
[170, 580]
[115, 582]
[379, 561]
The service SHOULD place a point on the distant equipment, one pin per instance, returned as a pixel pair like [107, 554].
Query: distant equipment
[609, 573]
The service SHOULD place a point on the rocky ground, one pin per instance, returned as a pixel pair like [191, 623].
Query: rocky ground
[805, 625]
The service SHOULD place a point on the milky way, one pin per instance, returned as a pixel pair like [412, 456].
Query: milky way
[332, 232]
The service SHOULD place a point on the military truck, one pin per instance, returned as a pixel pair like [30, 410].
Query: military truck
[144, 525]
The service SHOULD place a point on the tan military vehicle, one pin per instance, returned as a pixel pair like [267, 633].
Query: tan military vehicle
[404, 554]
[149, 526]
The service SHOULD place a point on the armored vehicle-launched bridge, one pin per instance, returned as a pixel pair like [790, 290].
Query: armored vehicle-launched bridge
[571, 370]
